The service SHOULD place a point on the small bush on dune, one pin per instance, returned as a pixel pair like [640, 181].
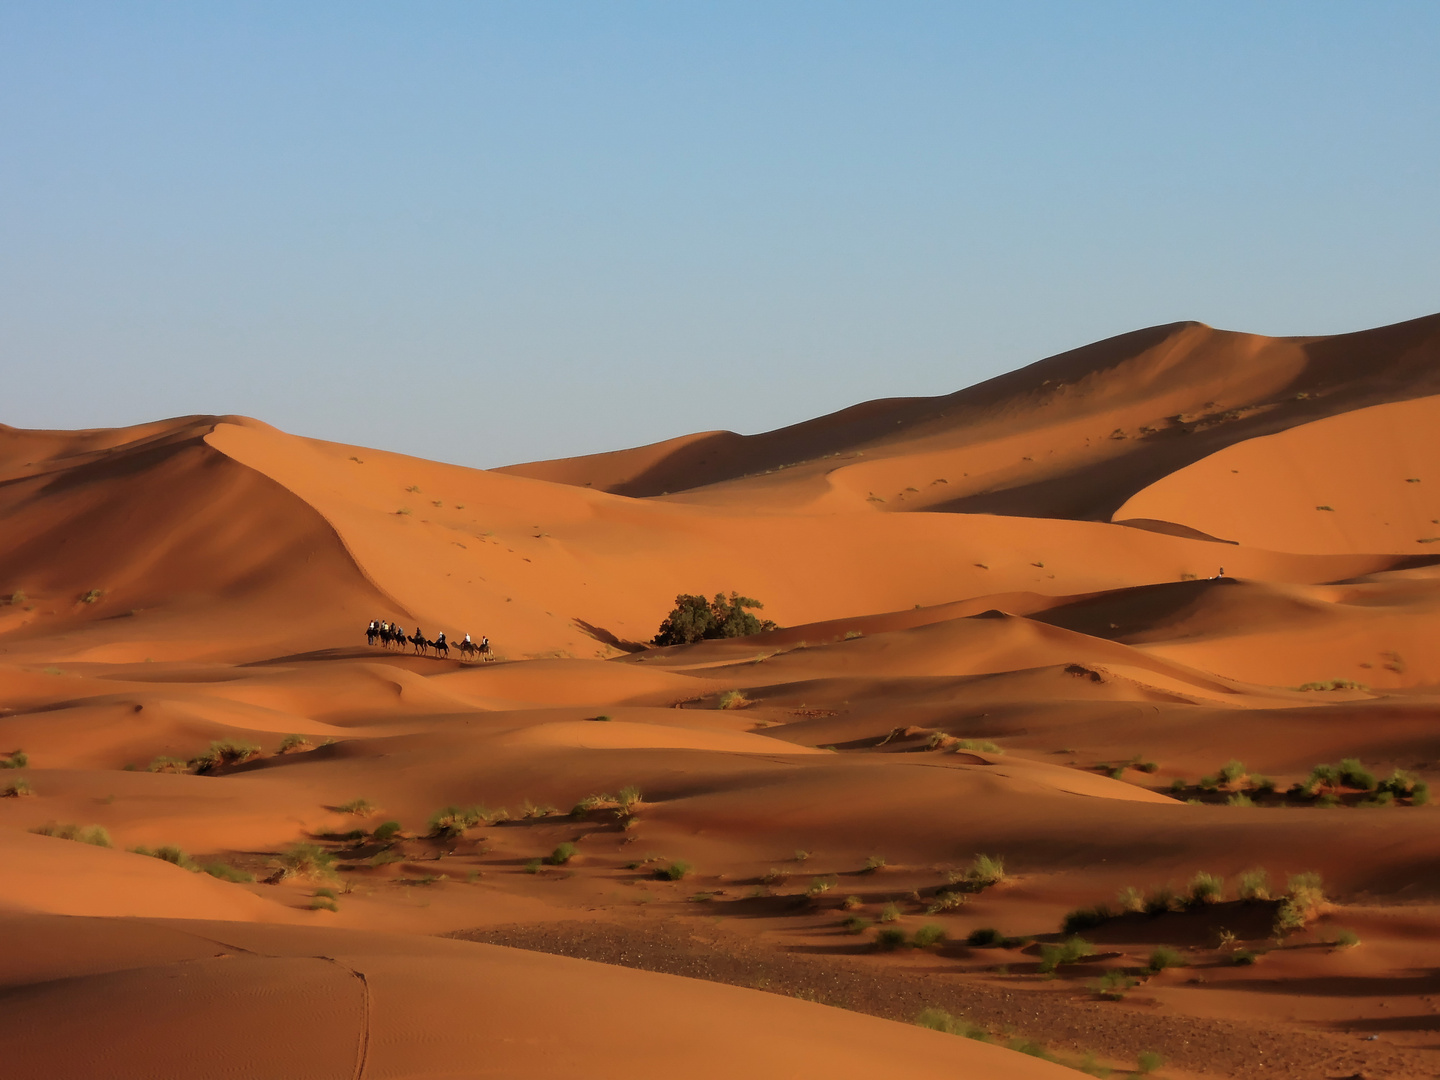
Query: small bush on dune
[226, 872]
[292, 742]
[1420, 793]
[224, 752]
[168, 765]
[1148, 1062]
[1112, 986]
[946, 901]
[1346, 939]
[890, 912]
[1232, 772]
[562, 854]
[358, 807]
[85, 834]
[929, 934]
[17, 788]
[1240, 799]
[1254, 885]
[627, 799]
[856, 924]
[386, 830]
[321, 902]
[985, 746]
[169, 853]
[1163, 957]
[1206, 889]
[304, 860]
[1304, 896]
[850, 903]
[986, 870]
[1130, 899]
[694, 618]
[873, 864]
[1355, 775]
[455, 821]
[1069, 952]
[1242, 958]
[732, 699]
[984, 938]
[675, 871]
[1159, 901]
[889, 938]
[16, 759]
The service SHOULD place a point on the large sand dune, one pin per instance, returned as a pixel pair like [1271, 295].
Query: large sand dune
[1006, 632]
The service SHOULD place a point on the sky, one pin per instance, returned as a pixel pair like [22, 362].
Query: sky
[496, 232]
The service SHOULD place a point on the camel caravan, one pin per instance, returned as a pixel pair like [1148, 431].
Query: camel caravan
[393, 636]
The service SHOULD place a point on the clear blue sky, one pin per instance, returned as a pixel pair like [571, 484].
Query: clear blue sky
[490, 232]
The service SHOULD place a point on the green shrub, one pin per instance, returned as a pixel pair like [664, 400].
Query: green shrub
[1304, 895]
[164, 764]
[1254, 885]
[1353, 774]
[1347, 939]
[873, 864]
[1380, 798]
[856, 924]
[1262, 785]
[1239, 799]
[986, 870]
[1112, 986]
[386, 831]
[1130, 899]
[304, 860]
[890, 937]
[323, 903]
[1148, 1062]
[985, 746]
[929, 934]
[1206, 889]
[1420, 793]
[1069, 952]
[732, 699]
[17, 788]
[850, 903]
[946, 901]
[1178, 786]
[1209, 783]
[358, 807]
[224, 752]
[171, 854]
[819, 886]
[675, 871]
[984, 938]
[91, 596]
[626, 800]
[226, 872]
[562, 854]
[532, 866]
[1086, 918]
[1328, 801]
[890, 912]
[1163, 957]
[1242, 958]
[85, 834]
[17, 759]
[693, 618]
[1232, 772]
[292, 742]
[456, 821]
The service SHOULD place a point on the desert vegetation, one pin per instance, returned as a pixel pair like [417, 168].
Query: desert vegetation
[694, 618]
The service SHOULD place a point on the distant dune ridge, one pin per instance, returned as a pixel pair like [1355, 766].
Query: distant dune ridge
[1099, 618]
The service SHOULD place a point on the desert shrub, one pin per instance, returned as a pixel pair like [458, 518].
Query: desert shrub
[1239, 799]
[940, 1020]
[456, 821]
[1112, 986]
[890, 937]
[985, 746]
[850, 903]
[1420, 793]
[626, 800]
[1353, 774]
[1148, 1062]
[856, 924]
[1242, 958]
[386, 830]
[171, 854]
[929, 934]
[1178, 786]
[532, 866]
[324, 903]
[1254, 885]
[358, 807]
[1262, 784]
[890, 912]
[1206, 889]
[1304, 894]
[984, 938]
[1328, 801]
[292, 742]
[168, 765]
[1086, 918]
[1069, 952]
[226, 872]
[1162, 957]
[1130, 899]
[986, 870]
[224, 752]
[1232, 772]
[1209, 783]
[17, 788]
[1334, 684]
[85, 834]
[304, 860]
[562, 854]
[1159, 901]
[675, 871]
[1346, 939]
[91, 596]
[732, 699]
[873, 864]
[819, 887]
[1380, 798]
[693, 618]
[946, 901]
[17, 759]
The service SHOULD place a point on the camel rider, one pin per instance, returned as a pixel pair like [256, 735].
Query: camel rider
[441, 639]
[484, 642]
[467, 640]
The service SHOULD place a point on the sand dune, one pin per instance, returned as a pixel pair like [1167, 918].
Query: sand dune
[1006, 633]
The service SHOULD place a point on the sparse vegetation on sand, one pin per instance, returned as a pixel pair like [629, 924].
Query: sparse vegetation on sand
[674, 871]
[562, 854]
[16, 788]
[694, 618]
[292, 742]
[1303, 899]
[85, 834]
[453, 822]
[358, 807]
[1333, 684]
[223, 752]
[165, 764]
[873, 865]
[732, 699]
[304, 861]
[940, 1020]
[171, 854]
[16, 759]
[1071, 951]
[386, 831]
[1163, 956]
[984, 871]
[226, 872]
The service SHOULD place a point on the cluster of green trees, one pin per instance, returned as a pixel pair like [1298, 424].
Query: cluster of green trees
[694, 618]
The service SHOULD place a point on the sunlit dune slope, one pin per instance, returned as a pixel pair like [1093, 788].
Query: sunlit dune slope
[88, 997]
[1367, 480]
[1070, 436]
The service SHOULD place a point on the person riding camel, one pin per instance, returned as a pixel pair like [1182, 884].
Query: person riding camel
[467, 640]
[441, 639]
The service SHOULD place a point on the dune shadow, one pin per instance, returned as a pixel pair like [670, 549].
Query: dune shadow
[605, 637]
